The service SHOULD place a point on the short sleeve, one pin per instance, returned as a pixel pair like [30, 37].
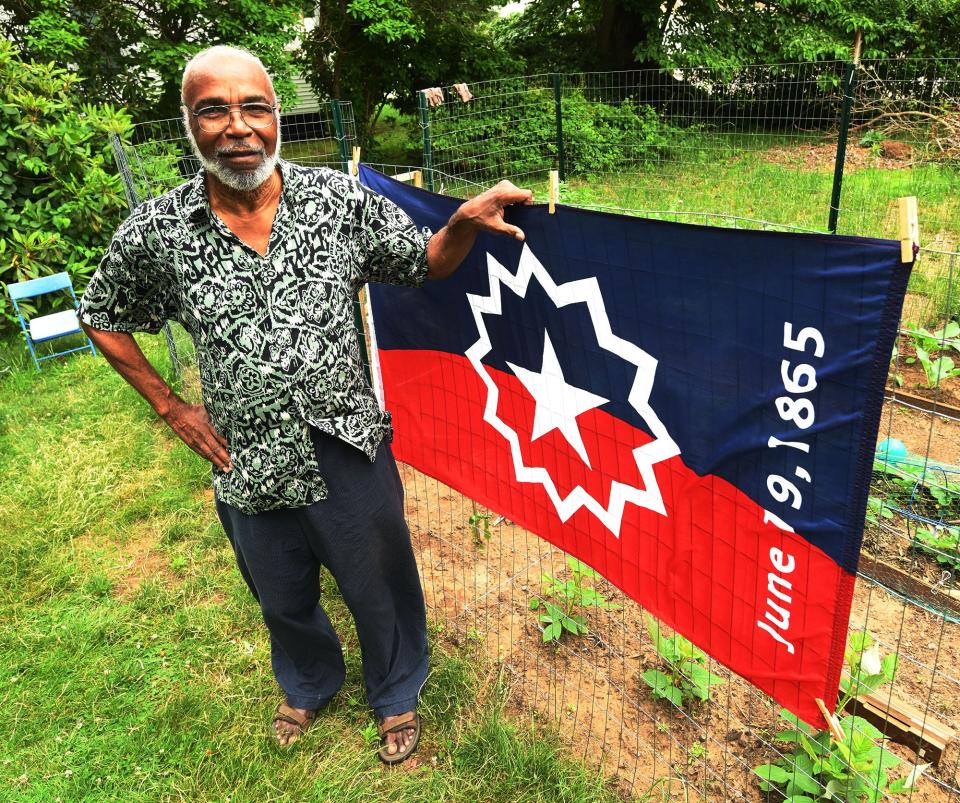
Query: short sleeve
[131, 289]
[396, 251]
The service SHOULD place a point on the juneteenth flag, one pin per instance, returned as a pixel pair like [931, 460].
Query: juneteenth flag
[690, 410]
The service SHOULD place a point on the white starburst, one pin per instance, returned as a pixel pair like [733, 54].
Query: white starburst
[581, 291]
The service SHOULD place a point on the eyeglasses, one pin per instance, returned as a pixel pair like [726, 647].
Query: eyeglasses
[214, 119]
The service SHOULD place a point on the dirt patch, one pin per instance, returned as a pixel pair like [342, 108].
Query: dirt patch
[590, 687]
[921, 432]
[127, 563]
[822, 156]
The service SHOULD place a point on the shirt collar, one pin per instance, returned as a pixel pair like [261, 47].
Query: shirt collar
[195, 206]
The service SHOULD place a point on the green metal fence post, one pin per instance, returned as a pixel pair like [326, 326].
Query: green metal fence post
[337, 114]
[849, 85]
[425, 126]
[558, 106]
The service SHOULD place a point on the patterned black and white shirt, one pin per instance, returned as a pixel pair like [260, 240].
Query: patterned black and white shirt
[275, 339]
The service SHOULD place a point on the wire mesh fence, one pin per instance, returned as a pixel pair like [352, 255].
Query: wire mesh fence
[761, 148]
[756, 149]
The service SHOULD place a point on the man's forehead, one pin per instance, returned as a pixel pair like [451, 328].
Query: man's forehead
[216, 75]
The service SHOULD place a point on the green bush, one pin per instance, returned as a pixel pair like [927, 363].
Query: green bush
[59, 203]
[515, 134]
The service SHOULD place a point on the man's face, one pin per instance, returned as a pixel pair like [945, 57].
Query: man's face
[242, 157]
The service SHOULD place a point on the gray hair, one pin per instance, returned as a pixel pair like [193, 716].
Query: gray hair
[222, 50]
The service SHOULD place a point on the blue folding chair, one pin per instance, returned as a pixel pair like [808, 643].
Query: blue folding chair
[48, 327]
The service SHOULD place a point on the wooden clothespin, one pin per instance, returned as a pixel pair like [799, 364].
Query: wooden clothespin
[554, 190]
[909, 228]
[355, 162]
[835, 730]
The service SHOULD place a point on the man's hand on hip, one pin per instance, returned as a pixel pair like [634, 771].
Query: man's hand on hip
[192, 425]
[189, 421]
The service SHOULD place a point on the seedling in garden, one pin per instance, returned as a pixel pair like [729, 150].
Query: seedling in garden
[856, 769]
[479, 528]
[940, 368]
[560, 616]
[687, 678]
[942, 543]
[866, 671]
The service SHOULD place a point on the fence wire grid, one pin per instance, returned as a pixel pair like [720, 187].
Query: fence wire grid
[812, 147]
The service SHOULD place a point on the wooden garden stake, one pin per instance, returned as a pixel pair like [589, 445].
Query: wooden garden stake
[909, 227]
[835, 730]
[554, 190]
[416, 176]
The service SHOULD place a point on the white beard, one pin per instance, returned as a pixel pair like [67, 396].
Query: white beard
[239, 180]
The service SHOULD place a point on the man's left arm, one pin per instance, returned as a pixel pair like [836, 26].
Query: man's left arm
[450, 246]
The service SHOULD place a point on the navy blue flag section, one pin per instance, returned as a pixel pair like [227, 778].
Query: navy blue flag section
[690, 410]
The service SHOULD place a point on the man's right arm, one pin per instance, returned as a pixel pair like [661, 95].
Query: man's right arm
[189, 421]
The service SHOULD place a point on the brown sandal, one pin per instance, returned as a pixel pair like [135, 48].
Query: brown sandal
[284, 713]
[404, 753]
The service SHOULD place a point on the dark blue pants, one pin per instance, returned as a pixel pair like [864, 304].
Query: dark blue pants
[359, 533]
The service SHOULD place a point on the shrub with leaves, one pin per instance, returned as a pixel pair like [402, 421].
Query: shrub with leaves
[59, 200]
[515, 134]
[687, 678]
[560, 616]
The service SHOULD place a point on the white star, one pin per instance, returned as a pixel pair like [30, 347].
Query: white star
[558, 403]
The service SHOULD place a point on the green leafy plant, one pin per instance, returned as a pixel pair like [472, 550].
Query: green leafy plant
[872, 139]
[922, 489]
[937, 368]
[942, 543]
[59, 198]
[479, 527]
[598, 137]
[876, 510]
[854, 769]
[560, 616]
[687, 678]
[866, 670]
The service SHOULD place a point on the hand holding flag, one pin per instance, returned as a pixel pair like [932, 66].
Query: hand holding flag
[485, 212]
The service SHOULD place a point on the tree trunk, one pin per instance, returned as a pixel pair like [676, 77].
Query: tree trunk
[619, 31]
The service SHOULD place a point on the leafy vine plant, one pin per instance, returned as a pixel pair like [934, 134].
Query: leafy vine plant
[560, 612]
[855, 769]
[686, 680]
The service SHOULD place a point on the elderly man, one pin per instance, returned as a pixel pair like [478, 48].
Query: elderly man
[260, 260]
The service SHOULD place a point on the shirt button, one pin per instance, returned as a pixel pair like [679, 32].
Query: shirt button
[284, 416]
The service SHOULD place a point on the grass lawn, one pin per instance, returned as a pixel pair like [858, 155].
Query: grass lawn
[133, 662]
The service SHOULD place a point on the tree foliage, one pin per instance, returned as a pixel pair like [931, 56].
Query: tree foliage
[59, 200]
[131, 52]
[620, 34]
[369, 51]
